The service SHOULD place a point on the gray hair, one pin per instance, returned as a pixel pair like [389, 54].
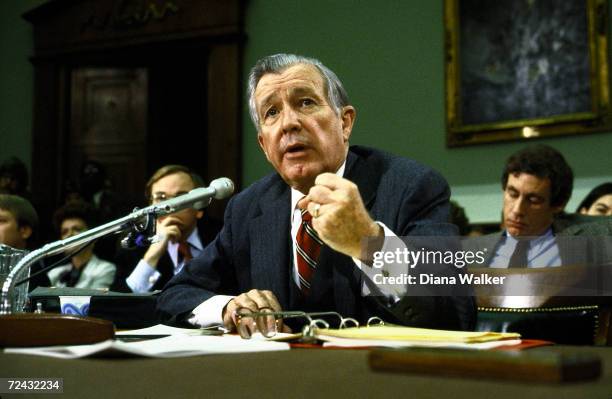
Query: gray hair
[277, 63]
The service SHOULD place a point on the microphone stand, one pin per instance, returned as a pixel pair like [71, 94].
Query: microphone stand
[28, 329]
[44, 329]
[131, 221]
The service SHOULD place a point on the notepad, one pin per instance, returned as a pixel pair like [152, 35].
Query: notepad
[398, 333]
[400, 337]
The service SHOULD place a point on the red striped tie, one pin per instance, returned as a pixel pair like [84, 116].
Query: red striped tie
[184, 252]
[308, 248]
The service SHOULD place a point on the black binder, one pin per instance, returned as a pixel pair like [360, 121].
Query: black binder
[126, 311]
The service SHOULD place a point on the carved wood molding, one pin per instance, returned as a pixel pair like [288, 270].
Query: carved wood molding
[64, 26]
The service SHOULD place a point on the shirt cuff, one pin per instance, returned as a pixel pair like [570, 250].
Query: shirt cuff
[393, 291]
[143, 278]
[210, 312]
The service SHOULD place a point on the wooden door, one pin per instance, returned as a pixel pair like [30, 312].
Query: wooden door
[108, 124]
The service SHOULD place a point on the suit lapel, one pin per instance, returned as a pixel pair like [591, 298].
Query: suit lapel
[346, 276]
[165, 267]
[271, 251]
[270, 237]
[492, 243]
[364, 176]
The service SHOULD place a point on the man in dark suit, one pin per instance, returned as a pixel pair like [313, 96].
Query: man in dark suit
[181, 236]
[537, 182]
[293, 240]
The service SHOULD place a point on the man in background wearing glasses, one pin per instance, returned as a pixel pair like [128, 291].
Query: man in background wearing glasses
[179, 238]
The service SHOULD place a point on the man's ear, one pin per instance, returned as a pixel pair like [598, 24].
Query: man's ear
[348, 115]
[260, 140]
[199, 214]
[25, 232]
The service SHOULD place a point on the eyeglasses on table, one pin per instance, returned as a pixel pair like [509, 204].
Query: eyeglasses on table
[270, 323]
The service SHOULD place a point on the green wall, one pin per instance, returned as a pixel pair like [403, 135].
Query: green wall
[16, 75]
[389, 55]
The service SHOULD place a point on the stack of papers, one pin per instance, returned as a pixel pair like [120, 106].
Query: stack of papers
[398, 337]
[162, 329]
[170, 342]
[179, 342]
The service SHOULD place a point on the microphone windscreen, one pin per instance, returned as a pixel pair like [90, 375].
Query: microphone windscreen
[141, 241]
[223, 186]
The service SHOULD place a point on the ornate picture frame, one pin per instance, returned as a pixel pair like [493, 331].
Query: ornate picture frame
[522, 69]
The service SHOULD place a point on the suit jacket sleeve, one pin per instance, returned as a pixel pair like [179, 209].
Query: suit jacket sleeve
[207, 275]
[409, 198]
[423, 211]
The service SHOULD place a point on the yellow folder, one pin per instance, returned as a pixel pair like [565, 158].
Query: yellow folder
[399, 333]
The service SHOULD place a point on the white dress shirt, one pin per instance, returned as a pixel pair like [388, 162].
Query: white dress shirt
[144, 276]
[543, 252]
[210, 312]
[368, 271]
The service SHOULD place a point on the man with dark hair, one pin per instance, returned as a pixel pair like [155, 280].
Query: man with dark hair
[537, 183]
[181, 237]
[293, 240]
[18, 221]
[18, 225]
[85, 269]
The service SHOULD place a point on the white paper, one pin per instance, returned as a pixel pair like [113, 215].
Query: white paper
[177, 345]
[161, 329]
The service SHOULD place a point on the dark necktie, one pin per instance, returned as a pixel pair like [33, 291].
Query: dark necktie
[308, 248]
[519, 256]
[71, 276]
[184, 252]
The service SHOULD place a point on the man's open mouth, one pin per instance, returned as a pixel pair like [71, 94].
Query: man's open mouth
[295, 148]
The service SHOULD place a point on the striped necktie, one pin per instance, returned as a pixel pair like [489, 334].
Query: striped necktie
[308, 248]
[184, 252]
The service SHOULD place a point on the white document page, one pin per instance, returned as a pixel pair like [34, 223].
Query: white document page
[171, 346]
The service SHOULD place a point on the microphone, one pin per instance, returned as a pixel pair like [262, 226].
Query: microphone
[140, 240]
[197, 198]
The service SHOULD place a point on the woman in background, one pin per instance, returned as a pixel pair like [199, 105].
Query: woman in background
[85, 269]
[598, 202]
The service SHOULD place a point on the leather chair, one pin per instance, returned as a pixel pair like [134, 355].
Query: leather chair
[566, 305]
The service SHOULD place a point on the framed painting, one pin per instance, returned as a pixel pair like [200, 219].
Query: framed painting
[522, 69]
